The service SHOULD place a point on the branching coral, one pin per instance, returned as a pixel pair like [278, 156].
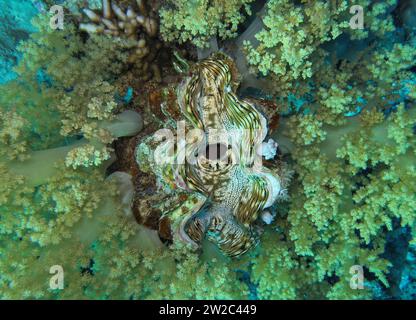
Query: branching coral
[58, 67]
[347, 127]
[353, 172]
[53, 214]
[199, 20]
[43, 200]
[291, 34]
[13, 28]
[61, 192]
[137, 25]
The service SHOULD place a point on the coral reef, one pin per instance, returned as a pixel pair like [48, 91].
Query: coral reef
[79, 188]
[137, 26]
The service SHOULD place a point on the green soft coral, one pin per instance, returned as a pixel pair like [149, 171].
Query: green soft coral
[62, 79]
[354, 175]
[56, 206]
[199, 20]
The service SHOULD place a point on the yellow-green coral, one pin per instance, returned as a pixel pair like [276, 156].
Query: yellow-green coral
[349, 138]
[291, 34]
[199, 20]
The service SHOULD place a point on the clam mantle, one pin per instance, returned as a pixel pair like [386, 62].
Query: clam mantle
[217, 166]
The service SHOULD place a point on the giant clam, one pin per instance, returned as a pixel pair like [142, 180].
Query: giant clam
[217, 163]
[129, 21]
